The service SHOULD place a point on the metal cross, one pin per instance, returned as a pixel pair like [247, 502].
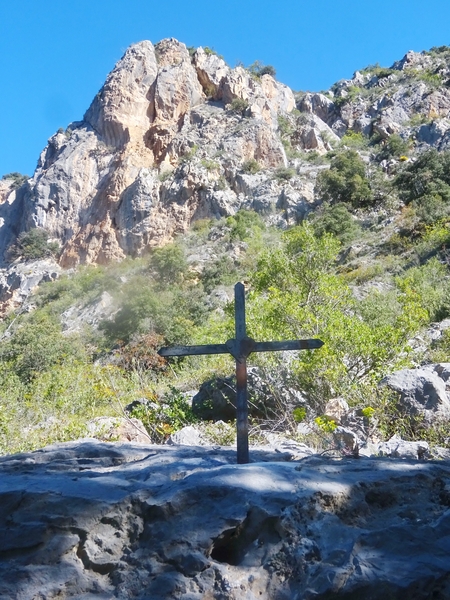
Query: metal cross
[240, 348]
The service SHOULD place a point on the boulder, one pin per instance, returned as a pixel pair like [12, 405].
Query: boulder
[268, 399]
[89, 519]
[336, 409]
[422, 392]
[20, 280]
[398, 448]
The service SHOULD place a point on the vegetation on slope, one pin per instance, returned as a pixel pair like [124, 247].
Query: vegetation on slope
[366, 271]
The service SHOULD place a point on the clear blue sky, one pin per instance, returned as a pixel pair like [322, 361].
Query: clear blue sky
[55, 55]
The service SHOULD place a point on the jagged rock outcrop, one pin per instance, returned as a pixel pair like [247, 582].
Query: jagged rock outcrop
[90, 519]
[422, 392]
[151, 154]
[21, 279]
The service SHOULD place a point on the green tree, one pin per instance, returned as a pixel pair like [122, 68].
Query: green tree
[425, 184]
[345, 181]
[33, 244]
[37, 345]
[170, 264]
[337, 220]
[296, 294]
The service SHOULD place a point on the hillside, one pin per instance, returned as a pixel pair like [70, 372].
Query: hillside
[187, 175]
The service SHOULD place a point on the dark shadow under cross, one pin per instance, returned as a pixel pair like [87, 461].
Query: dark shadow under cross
[240, 348]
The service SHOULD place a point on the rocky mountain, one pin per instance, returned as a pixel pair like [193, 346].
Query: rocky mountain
[176, 135]
[156, 150]
[185, 176]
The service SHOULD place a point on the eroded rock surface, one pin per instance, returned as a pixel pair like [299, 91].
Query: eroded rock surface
[91, 519]
[158, 147]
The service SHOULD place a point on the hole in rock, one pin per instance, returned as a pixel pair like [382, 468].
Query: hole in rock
[247, 543]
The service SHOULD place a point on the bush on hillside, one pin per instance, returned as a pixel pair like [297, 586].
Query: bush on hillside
[345, 181]
[336, 220]
[31, 245]
[17, 179]
[425, 184]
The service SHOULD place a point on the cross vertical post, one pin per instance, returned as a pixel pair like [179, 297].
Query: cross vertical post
[240, 348]
[241, 376]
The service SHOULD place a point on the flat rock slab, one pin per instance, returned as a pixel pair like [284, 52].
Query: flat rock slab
[90, 519]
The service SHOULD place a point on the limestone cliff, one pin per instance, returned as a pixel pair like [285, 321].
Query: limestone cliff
[176, 135]
[156, 149]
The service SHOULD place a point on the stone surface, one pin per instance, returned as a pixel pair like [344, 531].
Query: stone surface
[157, 149]
[19, 280]
[216, 398]
[118, 429]
[421, 392]
[92, 519]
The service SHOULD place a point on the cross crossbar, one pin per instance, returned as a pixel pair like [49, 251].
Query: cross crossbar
[240, 348]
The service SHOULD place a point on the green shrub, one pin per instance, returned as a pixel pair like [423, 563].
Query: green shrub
[33, 244]
[325, 424]
[244, 223]
[284, 173]
[222, 271]
[345, 181]
[239, 106]
[164, 416]
[211, 52]
[336, 219]
[394, 147]
[353, 139]
[251, 166]
[257, 69]
[425, 184]
[296, 294]
[17, 178]
[169, 263]
[37, 345]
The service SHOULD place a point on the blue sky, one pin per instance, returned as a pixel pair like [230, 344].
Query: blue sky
[55, 55]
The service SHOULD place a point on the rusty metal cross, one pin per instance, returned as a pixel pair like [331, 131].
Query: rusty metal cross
[240, 348]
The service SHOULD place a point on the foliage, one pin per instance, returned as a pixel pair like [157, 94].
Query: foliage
[189, 155]
[393, 147]
[257, 69]
[431, 285]
[211, 52]
[251, 166]
[38, 345]
[297, 295]
[284, 173]
[325, 424]
[352, 93]
[223, 271]
[169, 264]
[377, 71]
[425, 184]
[33, 244]
[164, 416]
[345, 181]
[239, 106]
[336, 219]
[17, 179]
[141, 354]
[299, 414]
[353, 139]
[244, 223]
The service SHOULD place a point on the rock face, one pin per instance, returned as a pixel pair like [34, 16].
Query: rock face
[173, 137]
[91, 519]
[17, 282]
[156, 149]
[422, 391]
